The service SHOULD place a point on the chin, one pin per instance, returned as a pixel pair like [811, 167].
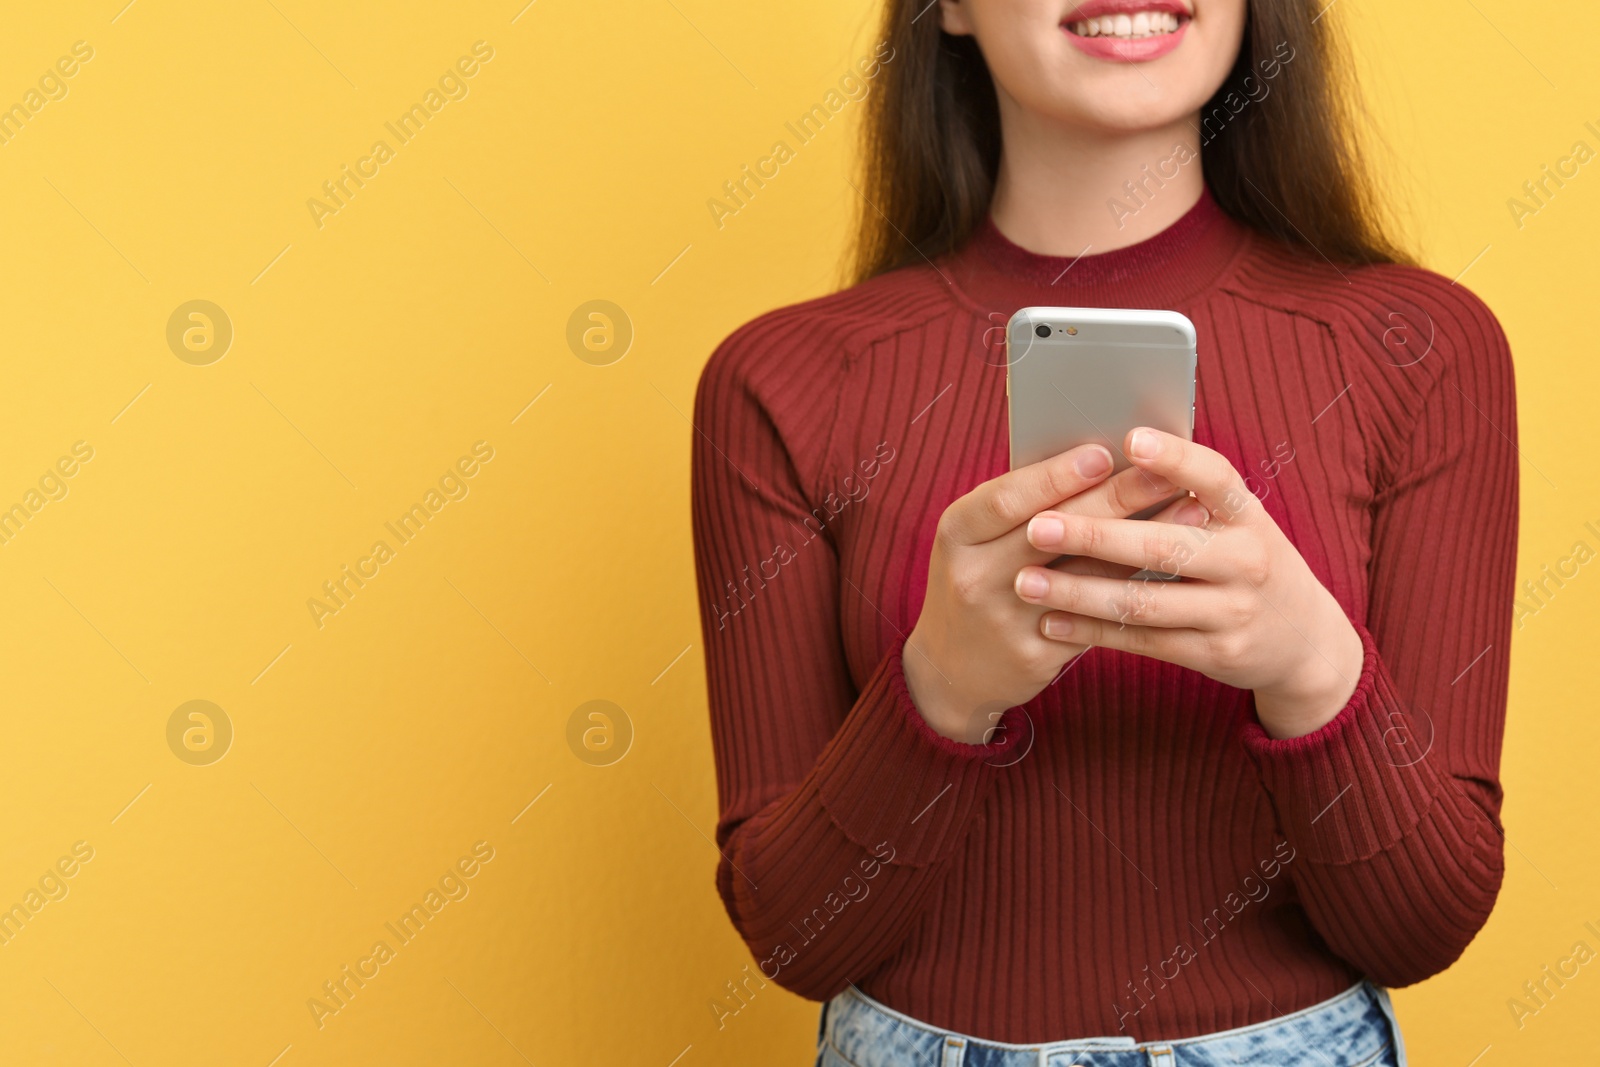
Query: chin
[1116, 65]
[1122, 113]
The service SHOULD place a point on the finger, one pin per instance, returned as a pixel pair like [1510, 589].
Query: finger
[1185, 511]
[1192, 551]
[1002, 504]
[1128, 602]
[1206, 473]
[1182, 647]
[1097, 568]
[1128, 492]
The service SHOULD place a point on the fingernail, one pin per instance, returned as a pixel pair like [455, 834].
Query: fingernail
[1045, 531]
[1191, 514]
[1093, 463]
[1144, 444]
[1057, 626]
[1032, 584]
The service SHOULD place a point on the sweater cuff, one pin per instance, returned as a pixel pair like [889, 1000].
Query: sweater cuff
[888, 777]
[1360, 783]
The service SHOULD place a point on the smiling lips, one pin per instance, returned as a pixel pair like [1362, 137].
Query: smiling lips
[1131, 31]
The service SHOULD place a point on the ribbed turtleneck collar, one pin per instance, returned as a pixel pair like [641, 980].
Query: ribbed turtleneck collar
[1162, 271]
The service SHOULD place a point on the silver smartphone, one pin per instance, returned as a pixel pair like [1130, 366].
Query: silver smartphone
[1081, 375]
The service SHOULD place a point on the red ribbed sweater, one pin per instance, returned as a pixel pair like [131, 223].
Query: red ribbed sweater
[1136, 856]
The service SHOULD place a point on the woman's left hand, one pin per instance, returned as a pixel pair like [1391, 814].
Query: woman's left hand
[1249, 612]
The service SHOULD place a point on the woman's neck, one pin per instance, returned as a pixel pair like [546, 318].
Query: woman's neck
[1065, 192]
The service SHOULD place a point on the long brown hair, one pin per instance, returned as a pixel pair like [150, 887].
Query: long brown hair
[1287, 163]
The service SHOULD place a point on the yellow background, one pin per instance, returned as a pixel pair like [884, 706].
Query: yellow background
[371, 754]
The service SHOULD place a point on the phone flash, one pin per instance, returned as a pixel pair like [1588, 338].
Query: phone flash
[1073, 330]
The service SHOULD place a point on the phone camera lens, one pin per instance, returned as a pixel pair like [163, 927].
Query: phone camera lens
[1042, 330]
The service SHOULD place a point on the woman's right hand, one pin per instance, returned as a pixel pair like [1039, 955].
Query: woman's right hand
[977, 648]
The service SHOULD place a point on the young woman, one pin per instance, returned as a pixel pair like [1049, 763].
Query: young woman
[1220, 814]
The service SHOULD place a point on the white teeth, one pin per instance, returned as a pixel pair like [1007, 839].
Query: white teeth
[1139, 24]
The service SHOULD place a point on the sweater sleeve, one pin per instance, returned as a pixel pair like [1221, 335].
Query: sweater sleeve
[1393, 806]
[838, 804]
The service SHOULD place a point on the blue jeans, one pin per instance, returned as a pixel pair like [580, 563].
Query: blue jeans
[1357, 1028]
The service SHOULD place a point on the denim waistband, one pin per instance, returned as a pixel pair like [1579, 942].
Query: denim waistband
[1356, 1028]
